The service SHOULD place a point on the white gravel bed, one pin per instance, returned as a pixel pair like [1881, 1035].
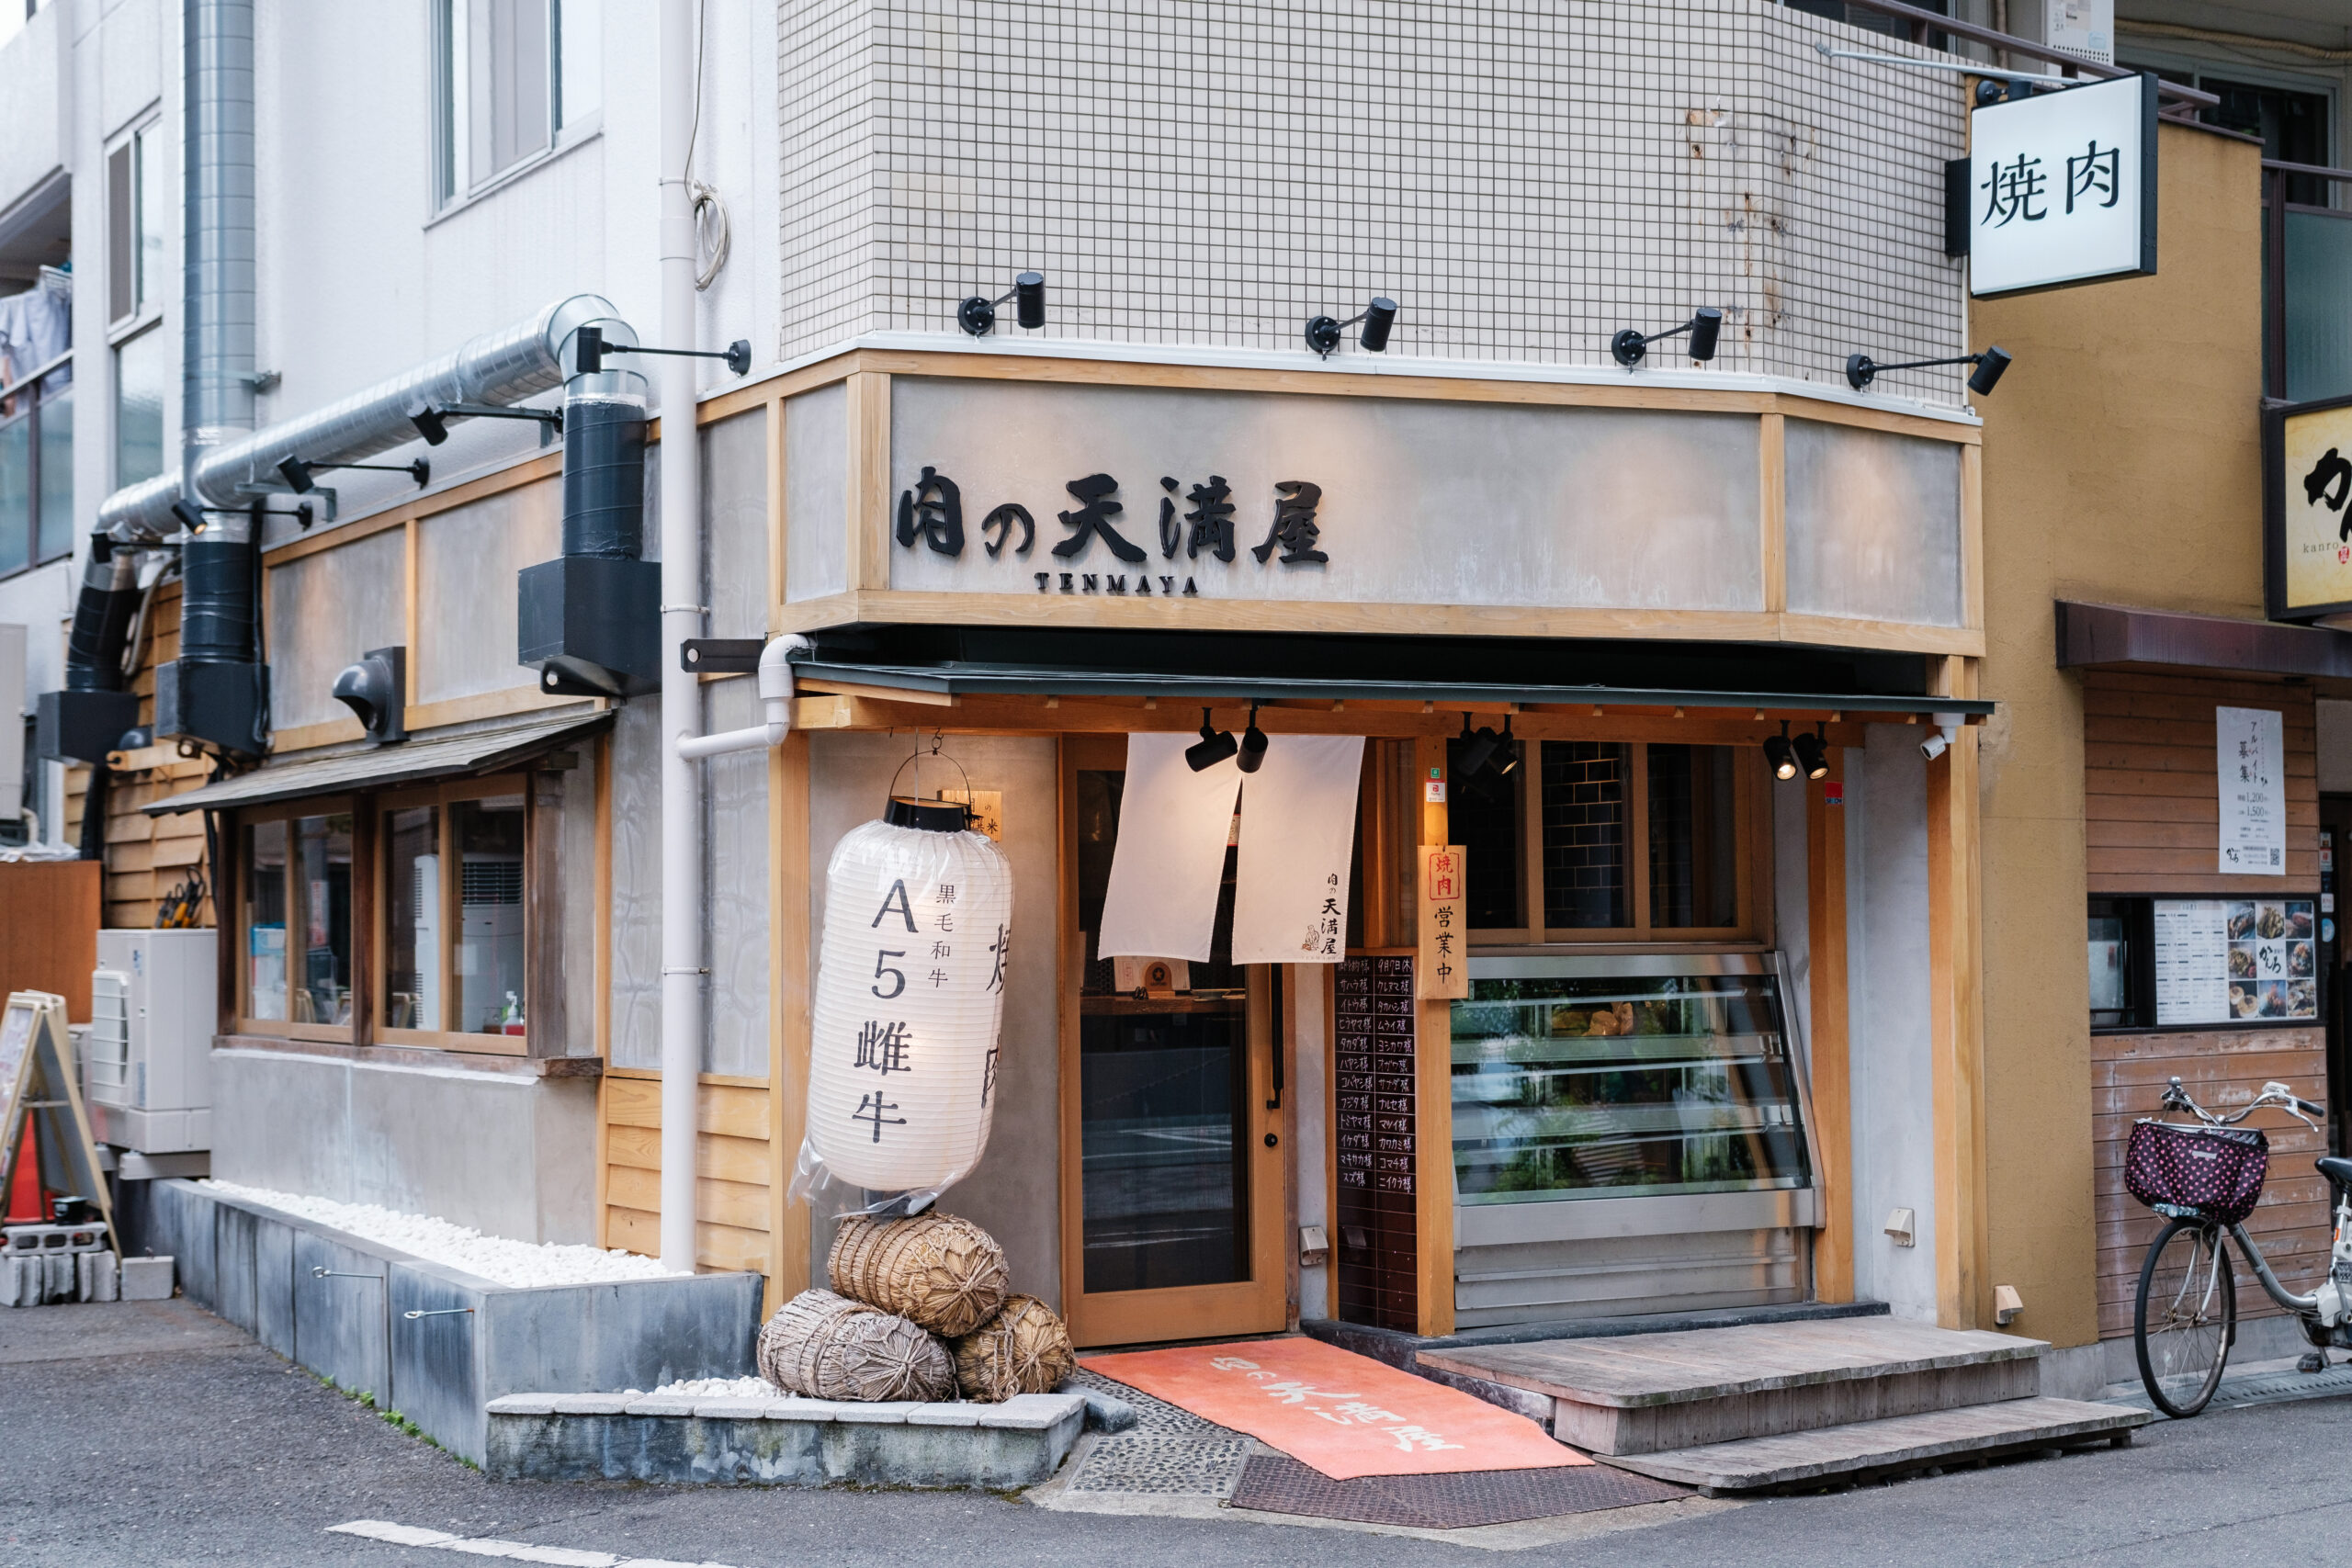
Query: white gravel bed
[495, 1258]
[717, 1388]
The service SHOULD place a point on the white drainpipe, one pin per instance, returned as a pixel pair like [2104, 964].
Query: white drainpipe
[682, 966]
[776, 703]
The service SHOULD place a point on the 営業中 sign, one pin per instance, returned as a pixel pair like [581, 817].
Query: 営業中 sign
[2307, 502]
[2063, 188]
[2252, 774]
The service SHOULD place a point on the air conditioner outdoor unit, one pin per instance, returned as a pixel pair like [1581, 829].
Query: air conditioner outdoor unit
[147, 1064]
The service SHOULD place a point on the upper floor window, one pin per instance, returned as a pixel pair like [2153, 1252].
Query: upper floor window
[137, 188]
[513, 75]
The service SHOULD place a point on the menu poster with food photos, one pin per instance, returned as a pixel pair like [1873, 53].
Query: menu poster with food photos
[2236, 961]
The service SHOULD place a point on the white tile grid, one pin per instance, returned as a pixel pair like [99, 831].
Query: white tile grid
[1524, 177]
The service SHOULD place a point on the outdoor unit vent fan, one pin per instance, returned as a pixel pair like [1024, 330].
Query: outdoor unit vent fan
[376, 688]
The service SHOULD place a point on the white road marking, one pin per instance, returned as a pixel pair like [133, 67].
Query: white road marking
[490, 1545]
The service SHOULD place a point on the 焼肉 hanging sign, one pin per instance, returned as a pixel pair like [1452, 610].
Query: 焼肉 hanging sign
[2062, 187]
[2307, 509]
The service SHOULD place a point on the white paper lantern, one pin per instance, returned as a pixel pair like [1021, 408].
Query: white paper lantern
[910, 1004]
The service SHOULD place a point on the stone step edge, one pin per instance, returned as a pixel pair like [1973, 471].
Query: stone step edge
[2049, 1423]
[1024, 1412]
[1775, 1382]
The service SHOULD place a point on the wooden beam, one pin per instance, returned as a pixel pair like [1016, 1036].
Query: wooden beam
[1956, 991]
[1772, 464]
[790, 967]
[1833, 1247]
[1433, 1074]
[867, 545]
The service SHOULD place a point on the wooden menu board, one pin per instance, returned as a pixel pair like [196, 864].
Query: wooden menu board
[1375, 1127]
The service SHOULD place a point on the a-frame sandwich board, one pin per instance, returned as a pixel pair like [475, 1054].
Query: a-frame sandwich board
[38, 1089]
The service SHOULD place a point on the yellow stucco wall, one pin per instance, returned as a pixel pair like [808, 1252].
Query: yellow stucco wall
[2122, 465]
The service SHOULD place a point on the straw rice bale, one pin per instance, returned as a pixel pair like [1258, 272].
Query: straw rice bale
[1023, 1349]
[944, 1273]
[822, 1346]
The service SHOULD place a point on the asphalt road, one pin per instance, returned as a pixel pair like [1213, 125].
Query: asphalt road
[153, 1434]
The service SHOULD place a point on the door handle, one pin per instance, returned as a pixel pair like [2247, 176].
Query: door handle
[1274, 1033]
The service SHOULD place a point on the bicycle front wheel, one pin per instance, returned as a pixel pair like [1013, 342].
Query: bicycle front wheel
[2185, 1317]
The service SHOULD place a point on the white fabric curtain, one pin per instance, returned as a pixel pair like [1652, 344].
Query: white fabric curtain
[1169, 858]
[1299, 819]
[1298, 829]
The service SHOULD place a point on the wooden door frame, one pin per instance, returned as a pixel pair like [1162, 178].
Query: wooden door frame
[1259, 1304]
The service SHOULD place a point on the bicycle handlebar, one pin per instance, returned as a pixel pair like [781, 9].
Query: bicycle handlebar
[2307, 1112]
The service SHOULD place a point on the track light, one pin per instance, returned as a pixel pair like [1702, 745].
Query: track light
[1706, 326]
[1780, 754]
[1477, 749]
[1940, 739]
[1813, 752]
[1253, 745]
[298, 473]
[1506, 762]
[1862, 369]
[1214, 747]
[1323, 332]
[977, 314]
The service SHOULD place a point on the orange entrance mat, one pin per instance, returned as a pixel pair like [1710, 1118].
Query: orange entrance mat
[1346, 1414]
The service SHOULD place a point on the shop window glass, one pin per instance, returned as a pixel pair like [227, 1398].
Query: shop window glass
[1162, 1077]
[142, 364]
[489, 837]
[1483, 818]
[266, 921]
[2122, 976]
[1694, 854]
[1584, 826]
[322, 899]
[413, 919]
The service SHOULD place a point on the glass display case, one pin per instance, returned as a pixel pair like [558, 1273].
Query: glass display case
[1590, 1077]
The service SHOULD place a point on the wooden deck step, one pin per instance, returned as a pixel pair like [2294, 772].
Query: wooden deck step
[1863, 1450]
[1651, 1392]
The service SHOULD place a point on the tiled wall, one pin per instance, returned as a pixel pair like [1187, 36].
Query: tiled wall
[1585, 881]
[1524, 176]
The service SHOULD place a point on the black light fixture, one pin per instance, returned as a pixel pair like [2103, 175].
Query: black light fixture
[1477, 749]
[429, 423]
[1253, 745]
[589, 348]
[1323, 332]
[375, 690]
[1813, 752]
[297, 473]
[1213, 746]
[1706, 325]
[977, 315]
[1780, 754]
[1862, 369]
[1506, 759]
[432, 420]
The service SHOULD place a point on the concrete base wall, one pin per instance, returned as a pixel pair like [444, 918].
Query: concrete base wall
[509, 1152]
[259, 1268]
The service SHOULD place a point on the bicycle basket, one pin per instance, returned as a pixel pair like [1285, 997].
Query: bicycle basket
[2218, 1171]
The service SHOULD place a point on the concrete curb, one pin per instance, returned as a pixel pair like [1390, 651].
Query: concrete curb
[782, 1442]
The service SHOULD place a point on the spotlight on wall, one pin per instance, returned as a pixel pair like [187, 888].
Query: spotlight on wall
[589, 347]
[1506, 759]
[1323, 332]
[430, 422]
[1939, 739]
[977, 314]
[1477, 749]
[1862, 369]
[1253, 745]
[1780, 754]
[1213, 746]
[297, 473]
[1706, 326]
[1813, 752]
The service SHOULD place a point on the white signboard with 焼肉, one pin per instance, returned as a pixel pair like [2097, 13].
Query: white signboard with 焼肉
[2251, 774]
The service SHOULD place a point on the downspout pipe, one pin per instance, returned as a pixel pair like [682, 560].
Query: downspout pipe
[776, 687]
[681, 883]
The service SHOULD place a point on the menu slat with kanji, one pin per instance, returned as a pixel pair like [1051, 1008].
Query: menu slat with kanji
[1376, 1130]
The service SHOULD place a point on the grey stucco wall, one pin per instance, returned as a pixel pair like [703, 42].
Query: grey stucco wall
[509, 1155]
[1891, 1037]
[1014, 1194]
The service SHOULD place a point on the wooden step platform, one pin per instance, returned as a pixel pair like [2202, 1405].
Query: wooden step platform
[1863, 1451]
[1650, 1393]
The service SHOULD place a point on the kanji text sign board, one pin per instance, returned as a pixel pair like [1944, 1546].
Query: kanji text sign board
[2307, 460]
[2063, 188]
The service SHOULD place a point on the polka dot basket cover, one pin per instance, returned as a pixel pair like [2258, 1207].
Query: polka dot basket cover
[2218, 1172]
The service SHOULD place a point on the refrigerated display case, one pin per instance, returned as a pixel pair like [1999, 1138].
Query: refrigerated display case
[1630, 1134]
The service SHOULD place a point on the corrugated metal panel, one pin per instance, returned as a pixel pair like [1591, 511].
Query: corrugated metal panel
[410, 761]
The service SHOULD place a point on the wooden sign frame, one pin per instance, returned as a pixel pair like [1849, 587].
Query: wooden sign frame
[38, 1079]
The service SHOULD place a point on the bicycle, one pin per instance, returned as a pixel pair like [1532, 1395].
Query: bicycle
[2205, 1179]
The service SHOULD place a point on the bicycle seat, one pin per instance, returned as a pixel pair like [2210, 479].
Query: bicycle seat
[2339, 1171]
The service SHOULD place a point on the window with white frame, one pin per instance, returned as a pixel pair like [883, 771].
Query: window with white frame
[513, 75]
[138, 186]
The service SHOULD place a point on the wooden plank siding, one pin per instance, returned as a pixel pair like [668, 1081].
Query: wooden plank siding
[2152, 805]
[733, 1168]
[2222, 1069]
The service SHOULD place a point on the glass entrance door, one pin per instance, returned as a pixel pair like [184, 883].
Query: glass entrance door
[1171, 1187]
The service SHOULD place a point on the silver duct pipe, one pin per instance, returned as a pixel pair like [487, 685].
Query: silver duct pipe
[502, 368]
[217, 285]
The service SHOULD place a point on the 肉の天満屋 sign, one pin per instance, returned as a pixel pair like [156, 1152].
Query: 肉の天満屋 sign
[2307, 506]
[2061, 187]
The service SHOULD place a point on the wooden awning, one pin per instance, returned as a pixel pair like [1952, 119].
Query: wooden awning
[2118, 636]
